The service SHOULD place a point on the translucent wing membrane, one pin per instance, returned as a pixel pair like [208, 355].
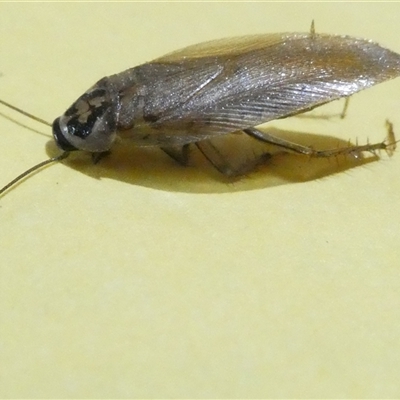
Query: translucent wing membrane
[227, 85]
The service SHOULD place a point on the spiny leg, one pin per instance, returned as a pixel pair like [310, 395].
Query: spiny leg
[389, 144]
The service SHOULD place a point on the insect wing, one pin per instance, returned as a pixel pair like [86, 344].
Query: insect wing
[228, 85]
[227, 47]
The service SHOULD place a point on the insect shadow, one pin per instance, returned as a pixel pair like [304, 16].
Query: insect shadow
[150, 167]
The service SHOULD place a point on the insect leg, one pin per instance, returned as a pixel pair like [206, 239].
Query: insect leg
[178, 153]
[221, 163]
[312, 29]
[345, 107]
[389, 144]
[96, 157]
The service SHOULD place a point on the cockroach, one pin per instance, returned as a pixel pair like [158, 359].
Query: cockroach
[192, 95]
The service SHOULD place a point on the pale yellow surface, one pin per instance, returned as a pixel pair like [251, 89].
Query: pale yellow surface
[139, 278]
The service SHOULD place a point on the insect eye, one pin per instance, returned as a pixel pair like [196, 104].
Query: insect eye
[60, 138]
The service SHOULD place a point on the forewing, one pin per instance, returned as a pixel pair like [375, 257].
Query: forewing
[255, 79]
[227, 47]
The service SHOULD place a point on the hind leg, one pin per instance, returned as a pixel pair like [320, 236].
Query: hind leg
[389, 144]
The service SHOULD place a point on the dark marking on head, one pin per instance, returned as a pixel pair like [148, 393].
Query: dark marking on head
[86, 100]
[84, 113]
[89, 124]
[82, 127]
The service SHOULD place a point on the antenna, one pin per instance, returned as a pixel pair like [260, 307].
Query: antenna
[60, 157]
[29, 171]
[24, 113]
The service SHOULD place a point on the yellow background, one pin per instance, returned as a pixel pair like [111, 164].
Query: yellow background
[139, 278]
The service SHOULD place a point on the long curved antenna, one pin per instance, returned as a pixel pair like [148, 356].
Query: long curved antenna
[33, 169]
[24, 113]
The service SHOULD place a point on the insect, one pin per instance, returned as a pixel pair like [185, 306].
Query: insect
[216, 88]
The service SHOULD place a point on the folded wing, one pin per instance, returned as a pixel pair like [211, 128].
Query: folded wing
[228, 85]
